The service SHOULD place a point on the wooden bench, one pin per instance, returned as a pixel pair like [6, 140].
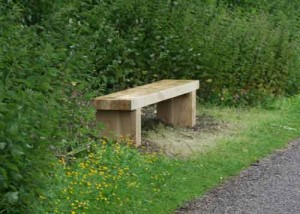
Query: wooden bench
[121, 112]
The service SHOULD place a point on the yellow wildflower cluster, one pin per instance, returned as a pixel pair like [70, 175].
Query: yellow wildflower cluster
[110, 175]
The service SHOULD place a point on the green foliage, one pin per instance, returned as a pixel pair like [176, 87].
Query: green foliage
[240, 55]
[37, 104]
[31, 11]
[108, 178]
[115, 178]
[55, 56]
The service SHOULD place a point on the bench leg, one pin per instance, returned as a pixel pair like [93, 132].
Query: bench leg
[121, 123]
[178, 111]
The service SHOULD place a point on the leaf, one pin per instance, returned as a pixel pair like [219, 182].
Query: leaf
[16, 176]
[2, 145]
[13, 130]
[53, 71]
[29, 146]
[16, 152]
[12, 197]
[12, 166]
[3, 178]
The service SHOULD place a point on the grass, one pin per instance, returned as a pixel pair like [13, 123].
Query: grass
[184, 143]
[258, 132]
[115, 178]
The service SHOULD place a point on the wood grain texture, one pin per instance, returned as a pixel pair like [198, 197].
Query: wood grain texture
[141, 96]
[178, 111]
[121, 123]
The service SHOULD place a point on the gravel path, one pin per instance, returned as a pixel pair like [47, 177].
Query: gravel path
[270, 186]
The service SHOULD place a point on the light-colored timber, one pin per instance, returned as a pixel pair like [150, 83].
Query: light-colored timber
[121, 123]
[178, 111]
[121, 112]
[142, 96]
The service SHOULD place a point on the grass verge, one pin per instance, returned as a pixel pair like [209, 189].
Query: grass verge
[114, 178]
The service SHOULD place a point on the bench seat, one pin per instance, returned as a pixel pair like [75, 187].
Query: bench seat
[145, 95]
[121, 112]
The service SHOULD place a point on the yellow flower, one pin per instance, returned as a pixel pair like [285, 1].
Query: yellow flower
[82, 165]
[62, 161]
[42, 197]
[98, 186]
[69, 174]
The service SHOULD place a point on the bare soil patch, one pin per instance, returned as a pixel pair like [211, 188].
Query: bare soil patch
[173, 141]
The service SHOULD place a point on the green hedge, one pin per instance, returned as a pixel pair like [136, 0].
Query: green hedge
[40, 110]
[240, 52]
[57, 55]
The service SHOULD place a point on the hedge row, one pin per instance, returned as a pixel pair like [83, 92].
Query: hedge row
[58, 55]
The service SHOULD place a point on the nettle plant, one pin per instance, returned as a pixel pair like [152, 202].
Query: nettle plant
[38, 106]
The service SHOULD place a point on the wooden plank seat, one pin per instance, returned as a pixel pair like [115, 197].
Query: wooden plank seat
[121, 112]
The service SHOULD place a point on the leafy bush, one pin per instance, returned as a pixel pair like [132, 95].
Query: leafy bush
[57, 55]
[239, 55]
[37, 110]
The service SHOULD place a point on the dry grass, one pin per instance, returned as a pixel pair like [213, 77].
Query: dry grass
[181, 142]
[213, 125]
[186, 142]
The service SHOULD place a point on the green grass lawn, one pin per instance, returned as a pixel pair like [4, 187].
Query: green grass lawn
[115, 178]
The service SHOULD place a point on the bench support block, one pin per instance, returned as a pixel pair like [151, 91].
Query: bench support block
[178, 111]
[121, 123]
